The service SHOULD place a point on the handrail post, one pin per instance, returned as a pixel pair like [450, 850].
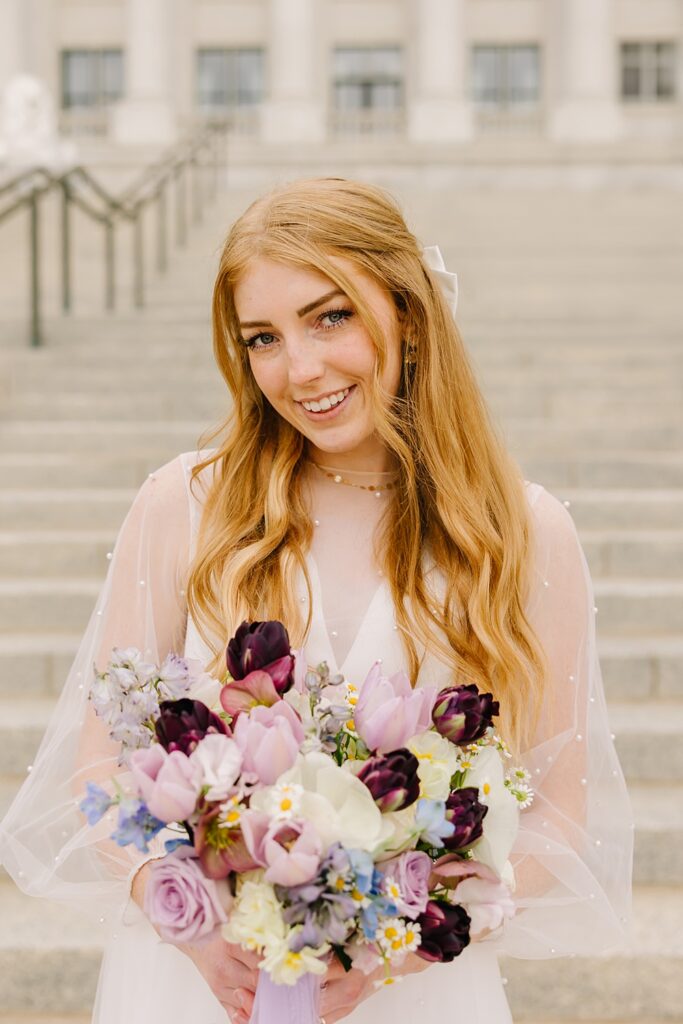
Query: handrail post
[162, 234]
[181, 206]
[36, 339]
[109, 268]
[138, 259]
[66, 247]
[196, 190]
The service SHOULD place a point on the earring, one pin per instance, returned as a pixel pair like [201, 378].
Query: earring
[410, 355]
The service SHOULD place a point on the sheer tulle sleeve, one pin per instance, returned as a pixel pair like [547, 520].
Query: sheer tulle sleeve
[573, 855]
[45, 843]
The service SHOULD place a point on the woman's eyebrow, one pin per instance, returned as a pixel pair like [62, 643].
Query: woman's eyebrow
[300, 312]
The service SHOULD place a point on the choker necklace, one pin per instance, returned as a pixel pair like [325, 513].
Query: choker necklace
[337, 478]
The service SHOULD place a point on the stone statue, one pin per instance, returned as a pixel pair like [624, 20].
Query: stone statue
[28, 127]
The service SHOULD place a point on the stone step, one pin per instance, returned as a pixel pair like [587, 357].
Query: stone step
[626, 607]
[37, 664]
[52, 605]
[525, 436]
[126, 467]
[616, 554]
[648, 737]
[593, 509]
[49, 961]
[624, 508]
[54, 553]
[117, 400]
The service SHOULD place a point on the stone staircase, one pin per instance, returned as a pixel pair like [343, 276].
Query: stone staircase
[568, 309]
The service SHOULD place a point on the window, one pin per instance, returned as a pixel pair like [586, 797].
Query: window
[368, 78]
[506, 77]
[91, 78]
[648, 71]
[229, 78]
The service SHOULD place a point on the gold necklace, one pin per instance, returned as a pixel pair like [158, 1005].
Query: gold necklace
[337, 478]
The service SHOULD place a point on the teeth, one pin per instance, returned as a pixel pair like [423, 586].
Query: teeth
[328, 402]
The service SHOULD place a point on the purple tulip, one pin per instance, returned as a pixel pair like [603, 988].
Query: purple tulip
[183, 723]
[392, 779]
[464, 811]
[462, 715]
[290, 851]
[169, 784]
[445, 930]
[262, 646]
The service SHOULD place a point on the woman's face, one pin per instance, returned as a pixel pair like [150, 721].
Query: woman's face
[313, 358]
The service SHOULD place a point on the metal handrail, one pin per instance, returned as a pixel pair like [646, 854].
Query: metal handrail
[80, 189]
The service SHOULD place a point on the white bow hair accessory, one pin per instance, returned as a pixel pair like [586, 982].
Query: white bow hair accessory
[431, 254]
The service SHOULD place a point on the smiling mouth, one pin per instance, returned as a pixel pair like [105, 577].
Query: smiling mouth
[327, 402]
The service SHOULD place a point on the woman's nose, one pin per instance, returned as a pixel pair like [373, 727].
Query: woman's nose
[304, 362]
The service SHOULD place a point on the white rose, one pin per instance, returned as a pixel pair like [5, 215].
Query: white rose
[338, 804]
[219, 760]
[502, 821]
[438, 760]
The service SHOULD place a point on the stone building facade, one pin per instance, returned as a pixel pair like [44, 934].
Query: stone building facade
[397, 74]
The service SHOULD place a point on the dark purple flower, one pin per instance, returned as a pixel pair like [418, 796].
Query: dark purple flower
[183, 723]
[462, 715]
[445, 930]
[392, 779]
[263, 646]
[464, 811]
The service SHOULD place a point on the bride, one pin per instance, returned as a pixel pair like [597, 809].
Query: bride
[360, 493]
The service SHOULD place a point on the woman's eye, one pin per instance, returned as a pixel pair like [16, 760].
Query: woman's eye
[335, 317]
[260, 341]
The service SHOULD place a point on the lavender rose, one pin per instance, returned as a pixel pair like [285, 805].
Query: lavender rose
[181, 902]
[183, 723]
[462, 715]
[411, 872]
[445, 931]
[262, 646]
[466, 814]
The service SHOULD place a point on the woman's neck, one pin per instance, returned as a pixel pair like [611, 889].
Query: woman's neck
[376, 461]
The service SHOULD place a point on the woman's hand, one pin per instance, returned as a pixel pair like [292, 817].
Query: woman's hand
[344, 990]
[230, 972]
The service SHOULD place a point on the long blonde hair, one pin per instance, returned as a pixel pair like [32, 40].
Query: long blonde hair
[460, 495]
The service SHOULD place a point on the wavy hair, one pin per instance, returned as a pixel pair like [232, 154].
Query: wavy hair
[460, 496]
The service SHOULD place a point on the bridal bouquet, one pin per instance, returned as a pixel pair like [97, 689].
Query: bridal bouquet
[312, 817]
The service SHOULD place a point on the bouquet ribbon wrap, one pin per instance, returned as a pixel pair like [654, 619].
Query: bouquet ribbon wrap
[287, 1004]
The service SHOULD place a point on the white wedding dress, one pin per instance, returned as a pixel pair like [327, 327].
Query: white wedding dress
[573, 853]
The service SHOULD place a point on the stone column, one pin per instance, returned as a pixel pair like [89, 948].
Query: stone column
[295, 107]
[13, 41]
[586, 104]
[146, 114]
[439, 110]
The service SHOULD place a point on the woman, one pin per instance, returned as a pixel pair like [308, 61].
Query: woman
[362, 496]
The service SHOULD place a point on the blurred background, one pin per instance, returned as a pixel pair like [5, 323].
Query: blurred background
[539, 143]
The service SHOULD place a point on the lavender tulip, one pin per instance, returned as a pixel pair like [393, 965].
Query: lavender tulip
[466, 814]
[392, 779]
[389, 711]
[462, 715]
[269, 739]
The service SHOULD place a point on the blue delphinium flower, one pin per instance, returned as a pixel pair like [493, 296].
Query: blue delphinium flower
[430, 819]
[136, 824]
[363, 868]
[96, 803]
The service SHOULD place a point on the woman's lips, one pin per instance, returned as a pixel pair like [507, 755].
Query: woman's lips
[327, 414]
